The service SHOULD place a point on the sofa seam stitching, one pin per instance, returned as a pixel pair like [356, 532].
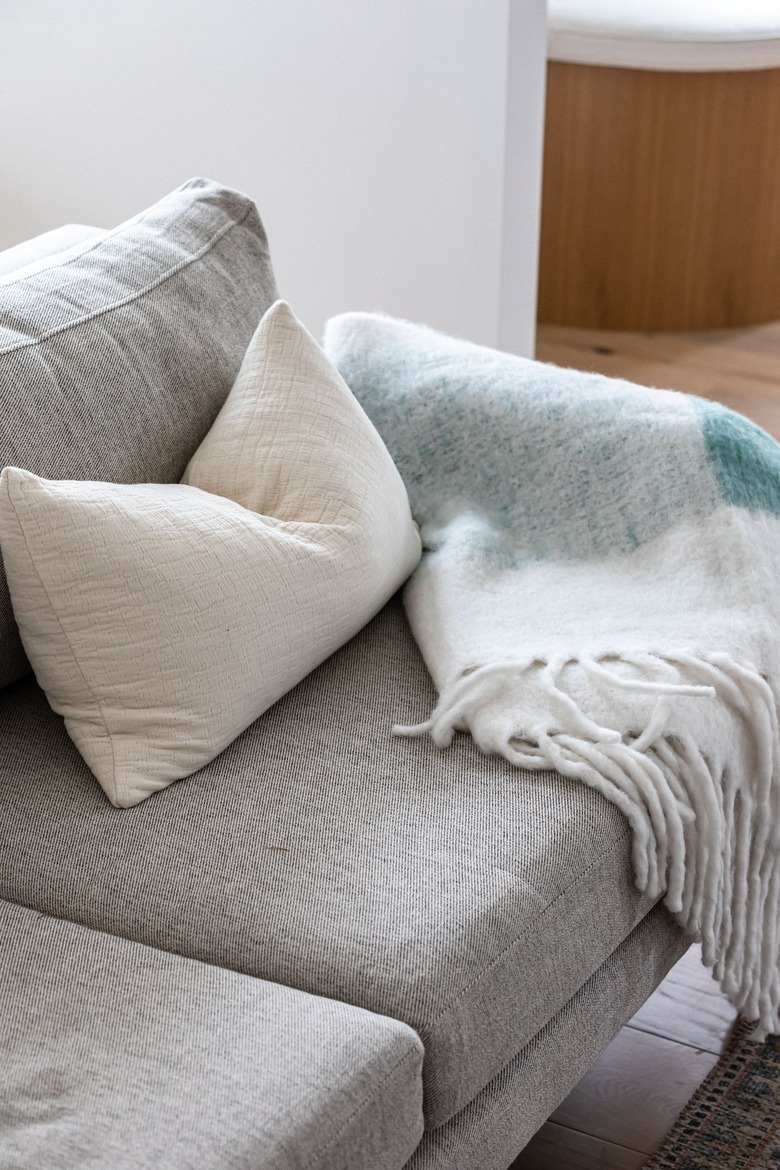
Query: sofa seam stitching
[518, 938]
[412, 1052]
[135, 296]
[407, 1056]
[11, 278]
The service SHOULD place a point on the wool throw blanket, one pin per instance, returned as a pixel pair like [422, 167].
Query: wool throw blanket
[600, 594]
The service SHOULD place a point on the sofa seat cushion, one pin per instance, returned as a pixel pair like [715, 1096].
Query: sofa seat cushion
[117, 1054]
[468, 898]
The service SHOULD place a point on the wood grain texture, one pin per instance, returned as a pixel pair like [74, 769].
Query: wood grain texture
[689, 1007]
[629, 1099]
[634, 1092]
[661, 198]
[555, 1147]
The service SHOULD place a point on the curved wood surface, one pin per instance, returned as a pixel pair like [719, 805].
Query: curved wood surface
[661, 198]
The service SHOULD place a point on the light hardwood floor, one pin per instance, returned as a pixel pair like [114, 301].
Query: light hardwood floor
[628, 1101]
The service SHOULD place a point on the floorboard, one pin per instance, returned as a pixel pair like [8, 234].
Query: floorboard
[569, 1149]
[636, 1090]
[688, 1007]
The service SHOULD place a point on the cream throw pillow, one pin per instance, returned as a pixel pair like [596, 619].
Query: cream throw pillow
[162, 619]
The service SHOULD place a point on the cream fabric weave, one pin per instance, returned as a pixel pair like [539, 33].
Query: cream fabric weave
[162, 619]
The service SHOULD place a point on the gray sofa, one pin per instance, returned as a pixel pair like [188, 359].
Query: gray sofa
[329, 948]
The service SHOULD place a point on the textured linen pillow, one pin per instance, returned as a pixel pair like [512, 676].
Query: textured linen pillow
[162, 619]
[115, 358]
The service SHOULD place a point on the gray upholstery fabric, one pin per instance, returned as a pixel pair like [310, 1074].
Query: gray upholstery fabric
[114, 364]
[490, 1132]
[42, 248]
[446, 889]
[121, 1057]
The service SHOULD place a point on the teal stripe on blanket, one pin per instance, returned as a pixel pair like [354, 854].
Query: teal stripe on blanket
[745, 459]
[549, 463]
[597, 596]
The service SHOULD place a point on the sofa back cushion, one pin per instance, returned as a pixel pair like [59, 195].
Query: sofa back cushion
[116, 357]
[40, 250]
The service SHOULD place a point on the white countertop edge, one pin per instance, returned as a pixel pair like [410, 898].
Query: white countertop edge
[688, 55]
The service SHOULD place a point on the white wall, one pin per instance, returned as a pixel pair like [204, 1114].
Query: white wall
[371, 134]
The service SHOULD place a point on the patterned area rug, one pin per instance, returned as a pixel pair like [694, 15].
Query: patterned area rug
[733, 1121]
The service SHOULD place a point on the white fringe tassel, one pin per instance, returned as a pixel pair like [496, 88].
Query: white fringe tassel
[709, 842]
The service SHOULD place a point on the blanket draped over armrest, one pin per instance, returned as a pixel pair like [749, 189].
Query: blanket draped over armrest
[599, 595]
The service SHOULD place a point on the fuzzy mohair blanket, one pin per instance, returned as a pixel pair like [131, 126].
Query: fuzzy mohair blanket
[599, 594]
